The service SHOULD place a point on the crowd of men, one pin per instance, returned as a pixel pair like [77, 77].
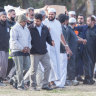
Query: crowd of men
[42, 51]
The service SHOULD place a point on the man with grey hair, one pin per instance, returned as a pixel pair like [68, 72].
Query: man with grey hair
[30, 15]
[20, 45]
[4, 45]
[42, 12]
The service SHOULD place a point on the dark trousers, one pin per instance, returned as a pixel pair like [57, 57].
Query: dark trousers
[79, 63]
[88, 63]
[71, 68]
[10, 65]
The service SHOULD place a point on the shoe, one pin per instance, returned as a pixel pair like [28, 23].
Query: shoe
[2, 84]
[89, 81]
[75, 82]
[79, 78]
[11, 81]
[21, 88]
[28, 83]
[47, 88]
[53, 86]
[68, 83]
[15, 85]
[34, 89]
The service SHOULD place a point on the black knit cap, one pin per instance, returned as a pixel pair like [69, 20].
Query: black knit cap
[63, 17]
[2, 11]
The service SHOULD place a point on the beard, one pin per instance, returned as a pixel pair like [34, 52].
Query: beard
[52, 19]
[3, 22]
[80, 23]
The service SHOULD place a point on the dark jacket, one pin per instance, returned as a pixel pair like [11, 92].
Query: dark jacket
[72, 39]
[10, 24]
[91, 42]
[4, 37]
[62, 48]
[39, 43]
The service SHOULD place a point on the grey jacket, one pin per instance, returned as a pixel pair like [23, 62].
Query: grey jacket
[19, 38]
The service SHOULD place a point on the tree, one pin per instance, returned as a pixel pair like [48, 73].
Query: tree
[90, 7]
[73, 6]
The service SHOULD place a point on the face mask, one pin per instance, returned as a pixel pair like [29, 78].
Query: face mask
[13, 18]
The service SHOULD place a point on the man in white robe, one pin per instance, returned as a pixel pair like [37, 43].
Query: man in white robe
[54, 52]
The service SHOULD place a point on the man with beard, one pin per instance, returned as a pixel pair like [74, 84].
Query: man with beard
[54, 52]
[63, 56]
[30, 15]
[79, 57]
[4, 45]
[72, 40]
[91, 48]
[89, 56]
[11, 18]
[40, 35]
[10, 23]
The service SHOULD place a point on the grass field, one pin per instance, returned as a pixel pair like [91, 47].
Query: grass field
[81, 90]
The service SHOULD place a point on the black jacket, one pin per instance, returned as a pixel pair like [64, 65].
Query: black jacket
[39, 43]
[72, 39]
[62, 48]
[4, 37]
[10, 24]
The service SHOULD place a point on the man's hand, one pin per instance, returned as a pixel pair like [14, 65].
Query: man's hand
[53, 44]
[26, 50]
[68, 50]
[84, 41]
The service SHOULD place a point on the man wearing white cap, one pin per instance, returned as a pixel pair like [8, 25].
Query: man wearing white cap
[72, 40]
[72, 14]
[54, 52]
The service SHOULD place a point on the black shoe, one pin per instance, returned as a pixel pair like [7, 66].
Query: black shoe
[79, 78]
[86, 81]
[15, 85]
[47, 88]
[11, 81]
[89, 81]
[28, 83]
[92, 81]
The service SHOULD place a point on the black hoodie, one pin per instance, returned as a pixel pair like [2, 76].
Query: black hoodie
[4, 37]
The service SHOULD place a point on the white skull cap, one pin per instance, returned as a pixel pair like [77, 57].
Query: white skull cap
[72, 20]
[72, 12]
[51, 10]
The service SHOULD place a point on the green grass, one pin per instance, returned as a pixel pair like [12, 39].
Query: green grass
[81, 90]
